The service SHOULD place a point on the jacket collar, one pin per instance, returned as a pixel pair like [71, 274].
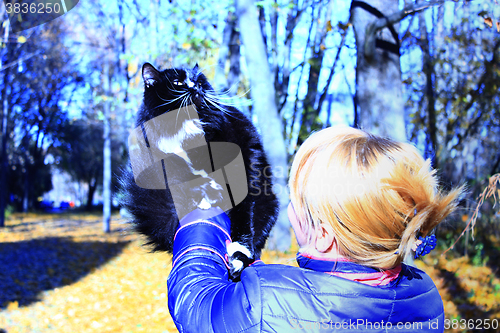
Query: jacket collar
[349, 270]
[327, 266]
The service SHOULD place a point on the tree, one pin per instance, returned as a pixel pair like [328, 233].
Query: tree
[109, 19]
[298, 116]
[229, 49]
[457, 96]
[451, 88]
[3, 127]
[379, 107]
[107, 151]
[312, 103]
[38, 78]
[80, 153]
[264, 106]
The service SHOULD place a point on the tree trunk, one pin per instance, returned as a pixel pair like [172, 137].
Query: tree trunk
[310, 110]
[106, 192]
[264, 106]
[220, 80]
[227, 84]
[26, 187]
[3, 151]
[428, 69]
[380, 104]
[282, 79]
[233, 77]
[90, 193]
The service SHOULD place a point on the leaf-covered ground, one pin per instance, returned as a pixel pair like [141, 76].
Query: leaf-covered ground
[61, 273]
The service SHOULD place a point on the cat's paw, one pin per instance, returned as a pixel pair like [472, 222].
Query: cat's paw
[239, 257]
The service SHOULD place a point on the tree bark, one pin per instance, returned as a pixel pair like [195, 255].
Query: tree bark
[264, 106]
[234, 62]
[107, 152]
[428, 69]
[310, 110]
[4, 120]
[380, 104]
[281, 87]
[220, 80]
[90, 194]
[26, 193]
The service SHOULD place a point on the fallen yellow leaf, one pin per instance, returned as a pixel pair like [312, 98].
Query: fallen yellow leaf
[488, 21]
[13, 306]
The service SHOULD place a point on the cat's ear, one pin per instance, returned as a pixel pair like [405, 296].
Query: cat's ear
[195, 68]
[150, 75]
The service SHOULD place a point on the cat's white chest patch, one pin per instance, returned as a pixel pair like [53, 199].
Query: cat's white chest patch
[172, 144]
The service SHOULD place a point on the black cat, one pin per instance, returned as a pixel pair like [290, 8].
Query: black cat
[153, 210]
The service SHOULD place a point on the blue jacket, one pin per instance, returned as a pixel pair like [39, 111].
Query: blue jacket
[279, 298]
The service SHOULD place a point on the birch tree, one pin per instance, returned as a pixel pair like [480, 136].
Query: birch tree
[264, 107]
[380, 104]
[3, 127]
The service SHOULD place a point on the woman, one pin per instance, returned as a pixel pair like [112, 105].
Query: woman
[359, 205]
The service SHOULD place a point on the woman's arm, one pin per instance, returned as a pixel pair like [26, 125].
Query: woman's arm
[200, 296]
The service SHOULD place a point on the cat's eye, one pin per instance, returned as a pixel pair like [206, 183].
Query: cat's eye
[178, 83]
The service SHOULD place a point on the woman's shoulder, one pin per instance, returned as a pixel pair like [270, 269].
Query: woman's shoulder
[285, 291]
[412, 284]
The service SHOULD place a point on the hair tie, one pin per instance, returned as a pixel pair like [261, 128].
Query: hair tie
[424, 245]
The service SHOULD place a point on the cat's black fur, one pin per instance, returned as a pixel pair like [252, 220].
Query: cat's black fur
[153, 211]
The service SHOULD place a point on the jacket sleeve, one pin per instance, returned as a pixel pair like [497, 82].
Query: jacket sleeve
[200, 296]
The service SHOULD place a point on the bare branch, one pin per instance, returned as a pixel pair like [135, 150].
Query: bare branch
[13, 63]
[489, 191]
[381, 23]
[332, 72]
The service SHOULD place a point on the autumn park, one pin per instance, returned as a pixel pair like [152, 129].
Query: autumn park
[73, 82]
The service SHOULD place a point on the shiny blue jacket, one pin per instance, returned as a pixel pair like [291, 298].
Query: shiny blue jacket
[279, 298]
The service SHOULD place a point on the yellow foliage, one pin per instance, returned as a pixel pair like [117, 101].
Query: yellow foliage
[126, 291]
[468, 291]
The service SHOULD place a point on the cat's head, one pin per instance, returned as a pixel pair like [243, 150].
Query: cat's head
[174, 88]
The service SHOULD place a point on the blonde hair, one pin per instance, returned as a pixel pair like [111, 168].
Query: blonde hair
[377, 194]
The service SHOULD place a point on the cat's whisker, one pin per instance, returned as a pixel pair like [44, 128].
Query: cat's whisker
[215, 101]
[188, 100]
[188, 114]
[223, 110]
[227, 92]
[177, 117]
[228, 99]
[172, 100]
[183, 103]
[205, 68]
[159, 106]
[229, 102]
[168, 79]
